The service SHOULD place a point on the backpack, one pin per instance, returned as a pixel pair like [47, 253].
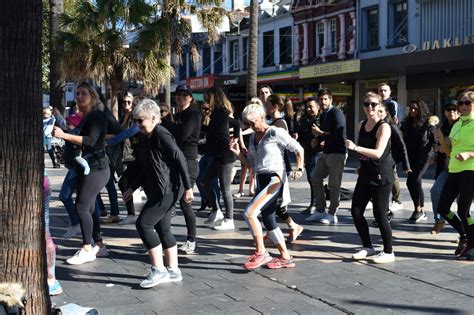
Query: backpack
[345, 194]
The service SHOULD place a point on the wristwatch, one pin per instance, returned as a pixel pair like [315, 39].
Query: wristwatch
[300, 170]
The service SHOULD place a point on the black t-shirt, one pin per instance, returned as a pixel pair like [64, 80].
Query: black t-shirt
[374, 172]
[218, 135]
[93, 129]
[187, 129]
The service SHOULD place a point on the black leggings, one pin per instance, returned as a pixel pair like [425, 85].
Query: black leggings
[187, 208]
[154, 222]
[88, 188]
[380, 196]
[123, 186]
[459, 184]
[415, 188]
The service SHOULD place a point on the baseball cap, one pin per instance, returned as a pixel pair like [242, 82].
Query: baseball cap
[184, 88]
[451, 104]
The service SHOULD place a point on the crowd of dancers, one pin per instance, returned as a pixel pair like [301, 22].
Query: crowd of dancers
[166, 155]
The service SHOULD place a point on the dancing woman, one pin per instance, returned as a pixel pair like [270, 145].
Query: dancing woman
[461, 177]
[375, 179]
[161, 175]
[265, 155]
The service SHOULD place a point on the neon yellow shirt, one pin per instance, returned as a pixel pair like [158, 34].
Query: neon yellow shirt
[462, 140]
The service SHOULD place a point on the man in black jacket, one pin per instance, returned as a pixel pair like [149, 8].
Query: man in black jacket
[396, 113]
[332, 161]
[186, 131]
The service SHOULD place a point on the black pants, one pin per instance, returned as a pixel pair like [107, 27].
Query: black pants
[215, 168]
[123, 186]
[88, 188]
[187, 208]
[461, 184]
[380, 196]
[154, 222]
[414, 186]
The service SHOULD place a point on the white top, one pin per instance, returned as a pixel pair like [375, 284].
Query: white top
[267, 156]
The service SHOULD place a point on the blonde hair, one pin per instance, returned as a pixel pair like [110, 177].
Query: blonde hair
[468, 94]
[373, 95]
[95, 102]
[255, 100]
[253, 110]
[216, 98]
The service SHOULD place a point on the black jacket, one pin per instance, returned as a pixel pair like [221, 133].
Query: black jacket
[333, 123]
[399, 149]
[164, 168]
[186, 131]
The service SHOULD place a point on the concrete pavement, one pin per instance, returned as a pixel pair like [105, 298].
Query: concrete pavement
[424, 279]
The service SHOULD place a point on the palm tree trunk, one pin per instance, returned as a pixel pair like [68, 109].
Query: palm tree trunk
[253, 50]
[22, 231]
[56, 85]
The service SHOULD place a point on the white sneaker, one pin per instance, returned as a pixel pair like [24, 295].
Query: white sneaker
[328, 219]
[395, 206]
[131, 219]
[384, 258]
[175, 275]
[315, 217]
[82, 256]
[225, 225]
[102, 251]
[155, 277]
[215, 217]
[363, 253]
[73, 231]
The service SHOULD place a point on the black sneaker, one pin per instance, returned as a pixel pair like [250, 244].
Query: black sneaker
[462, 247]
[417, 216]
[390, 216]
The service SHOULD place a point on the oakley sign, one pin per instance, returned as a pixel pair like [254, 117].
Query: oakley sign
[437, 44]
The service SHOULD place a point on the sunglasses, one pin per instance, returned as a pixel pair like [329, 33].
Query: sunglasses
[461, 103]
[451, 109]
[205, 109]
[413, 108]
[128, 102]
[140, 120]
[367, 104]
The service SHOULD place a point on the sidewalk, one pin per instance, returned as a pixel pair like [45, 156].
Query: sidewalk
[425, 278]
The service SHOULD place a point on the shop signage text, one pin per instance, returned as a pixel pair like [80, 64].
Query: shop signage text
[437, 44]
[201, 83]
[333, 68]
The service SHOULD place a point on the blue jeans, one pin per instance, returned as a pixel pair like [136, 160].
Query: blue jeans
[65, 195]
[435, 191]
[215, 168]
[113, 198]
[310, 166]
[203, 162]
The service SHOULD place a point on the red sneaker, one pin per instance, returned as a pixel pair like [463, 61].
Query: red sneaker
[257, 260]
[281, 262]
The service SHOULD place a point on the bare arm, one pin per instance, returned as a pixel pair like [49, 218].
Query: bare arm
[383, 136]
[74, 139]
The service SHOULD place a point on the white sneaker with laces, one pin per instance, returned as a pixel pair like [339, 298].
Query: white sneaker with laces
[364, 253]
[82, 256]
[215, 217]
[73, 231]
[395, 206]
[175, 275]
[155, 277]
[328, 219]
[384, 258]
[131, 219]
[315, 217]
[225, 225]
